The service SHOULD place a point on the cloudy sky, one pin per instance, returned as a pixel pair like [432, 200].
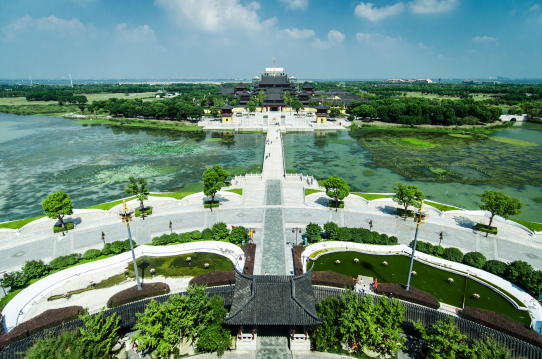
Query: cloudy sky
[238, 38]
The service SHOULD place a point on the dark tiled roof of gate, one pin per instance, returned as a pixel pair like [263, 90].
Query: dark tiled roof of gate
[273, 300]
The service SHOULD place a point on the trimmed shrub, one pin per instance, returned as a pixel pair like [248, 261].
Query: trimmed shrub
[184, 237]
[220, 231]
[438, 251]
[392, 241]
[214, 339]
[331, 279]
[475, 259]
[35, 269]
[238, 235]
[64, 261]
[207, 234]
[131, 294]
[483, 228]
[314, 232]
[413, 295]
[356, 234]
[503, 324]
[344, 234]
[146, 210]
[126, 245]
[165, 239]
[106, 250]
[332, 231]
[67, 226]
[196, 235]
[332, 204]
[214, 279]
[48, 319]
[401, 212]
[117, 247]
[15, 280]
[92, 254]
[453, 254]
[250, 255]
[496, 267]
[383, 240]
[366, 235]
[208, 204]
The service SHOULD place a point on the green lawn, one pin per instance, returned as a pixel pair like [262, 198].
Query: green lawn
[533, 226]
[428, 279]
[107, 206]
[239, 191]
[170, 125]
[19, 224]
[176, 195]
[370, 196]
[179, 266]
[442, 207]
[311, 191]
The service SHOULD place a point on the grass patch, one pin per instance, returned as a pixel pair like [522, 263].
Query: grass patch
[106, 283]
[459, 135]
[513, 141]
[57, 228]
[442, 207]
[213, 139]
[412, 142]
[147, 211]
[533, 226]
[176, 195]
[371, 196]
[429, 279]
[311, 191]
[332, 203]
[18, 224]
[239, 191]
[179, 266]
[107, 206]
[170, 125]
[483, 228]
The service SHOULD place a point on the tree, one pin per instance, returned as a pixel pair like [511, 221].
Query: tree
[100, 331]
[335, 112]
[444, 339]
[56, 206]
[332, 230]
[336, 188]
[15, 280]
[214, 111]
[250, 106]
[34, 269]
[238, 235]
[314, 232]
[68, 345]
[313, 103]
[489, 348]
[261, 98]
[138, 189]
[296, 105]
[213, 181]
[390, 316]
[288, 98]
[407, 195]
[498, 203]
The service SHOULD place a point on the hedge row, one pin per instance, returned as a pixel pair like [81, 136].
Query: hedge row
[503, 324]
[413, 295]
[332, 279]
[48, 319]
[483, 228]
[518, 272]
[132, 294]
[219, 232]
[67, 226]
[214, 279]
[333, 232]
[36, 269]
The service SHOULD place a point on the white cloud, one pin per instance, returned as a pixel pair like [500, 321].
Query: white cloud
[51, 24]
[535, 7]
[423, 47]
[513, 12]
[215, 15]
[440, 57]
[372, 38]
[484, 39]
[296, 4]
[299, 34]
[367, 11]
[334, 38]
[136, 35]
[432, 6]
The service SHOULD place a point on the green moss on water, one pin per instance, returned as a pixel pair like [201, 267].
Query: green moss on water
[428, 279]
[515, 142]
[178, 266]
[368, 173]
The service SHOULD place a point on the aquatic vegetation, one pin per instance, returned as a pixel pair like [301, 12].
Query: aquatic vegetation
[368, 173]
[121, 174]
[164, 148]
[515, 142]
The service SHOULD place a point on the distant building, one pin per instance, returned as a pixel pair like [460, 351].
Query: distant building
[394, 81]
[7, 90]
[424, 81]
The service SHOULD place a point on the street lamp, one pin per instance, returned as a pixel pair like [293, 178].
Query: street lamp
[125, 214]
[2, 282]
[297, 230]
[251, 232]
[420, 215]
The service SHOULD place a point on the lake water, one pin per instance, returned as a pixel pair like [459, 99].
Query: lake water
[448, 169]
[41, 154]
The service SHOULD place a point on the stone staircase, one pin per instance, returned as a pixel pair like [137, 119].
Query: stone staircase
[273, 343]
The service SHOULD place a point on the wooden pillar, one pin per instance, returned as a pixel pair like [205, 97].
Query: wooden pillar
[240, 331]
[253, 332]
[293, 332]
[305, 329]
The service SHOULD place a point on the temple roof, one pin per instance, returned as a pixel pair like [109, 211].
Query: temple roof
[307, 86]
[322, 107]
[273, 300]
[241, 85]
[226, 106]
[275, 80]
[226, 90]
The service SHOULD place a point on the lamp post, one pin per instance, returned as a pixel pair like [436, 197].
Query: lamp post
[125, 214]
[297, 230]
[251, 232]
[441, 238]
[2, 283]
[420, 215]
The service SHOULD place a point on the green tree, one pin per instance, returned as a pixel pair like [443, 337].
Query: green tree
[261, 98]
[288, 98]
[327, 336]
[34, 269]
[498, 203]
[336, 188]
[489, 348]
[313, 103]
[390, 316]
[214, 111]
[407, 195]
[220, 231]
[335, 112]
[238, 235]
[250, 106]
[296, 105]
[314, 232]
[15, 280]
[332, 230]
[68, 345]
[138, 189]
[444, 339]
[100, 331]
[58, 205]
[213, 180]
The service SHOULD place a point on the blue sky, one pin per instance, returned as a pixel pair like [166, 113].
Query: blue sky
[238, 38]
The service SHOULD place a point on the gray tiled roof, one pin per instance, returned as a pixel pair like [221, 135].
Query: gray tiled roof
[273, 300]
[274, 80]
